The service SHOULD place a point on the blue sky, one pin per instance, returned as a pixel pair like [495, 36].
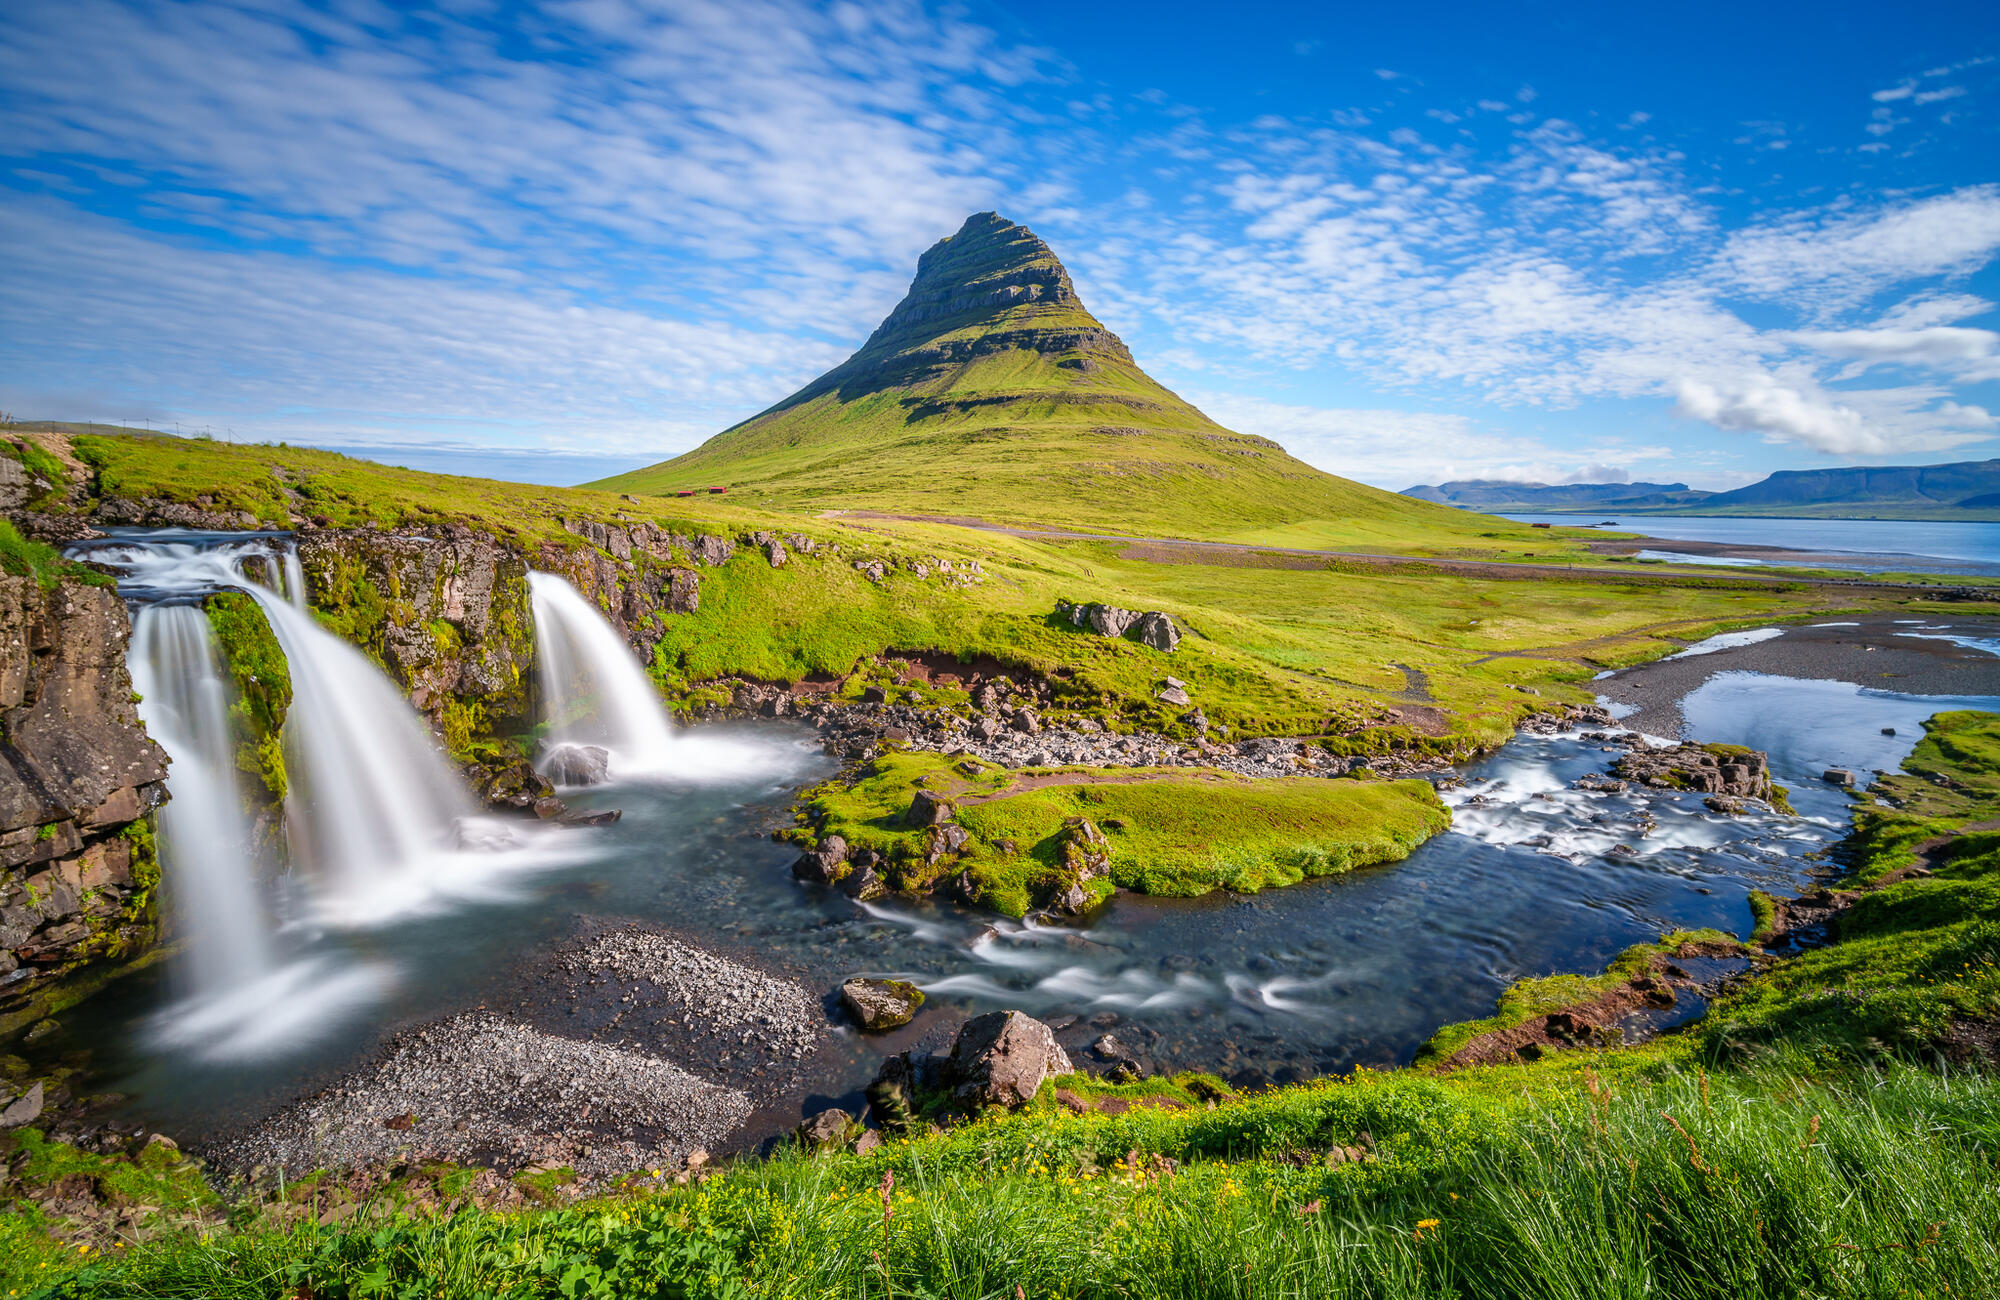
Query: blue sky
[1689, 243]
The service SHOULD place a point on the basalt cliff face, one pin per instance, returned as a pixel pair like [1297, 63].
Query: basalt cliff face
[79, 779]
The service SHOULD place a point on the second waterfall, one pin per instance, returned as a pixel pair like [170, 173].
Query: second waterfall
[594, 693]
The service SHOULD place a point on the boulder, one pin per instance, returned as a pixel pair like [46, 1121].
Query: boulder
[864, 884]
[881, 1004]
[1727, 805]
[1157, 630]
[1173, 695]
[1840, 776]
[1105, 620]
[1001, 1058]
[929, 808]
[711, 550]
[577, 765]
[825, 1130]
[24, 1108]
[822, 865]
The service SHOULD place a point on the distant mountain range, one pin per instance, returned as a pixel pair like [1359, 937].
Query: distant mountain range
[1965, 490]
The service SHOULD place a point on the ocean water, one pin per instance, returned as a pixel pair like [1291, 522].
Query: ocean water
[1868, 545]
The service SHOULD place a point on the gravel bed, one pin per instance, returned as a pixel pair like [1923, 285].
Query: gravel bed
[723, 998]
[482, 1089]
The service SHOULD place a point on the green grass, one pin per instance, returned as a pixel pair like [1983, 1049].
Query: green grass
[1179, 832]
[1272, 649]
[1663, 1182]
[25, 558]
[263, 680]
[1528, 999]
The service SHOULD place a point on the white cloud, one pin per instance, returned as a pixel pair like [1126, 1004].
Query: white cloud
[1939, 346]
[1848, 424]
[662, 140]
[1398, 449]
[282, 348]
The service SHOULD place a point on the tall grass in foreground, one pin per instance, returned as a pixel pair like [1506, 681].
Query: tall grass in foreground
[1733, 1187]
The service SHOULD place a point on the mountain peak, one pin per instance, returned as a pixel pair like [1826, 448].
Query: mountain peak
[990, 287]
[992, 388]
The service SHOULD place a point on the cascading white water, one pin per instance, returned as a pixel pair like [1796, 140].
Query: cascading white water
[292, 576]
[372, 800]
[205, 832]
[593, 689]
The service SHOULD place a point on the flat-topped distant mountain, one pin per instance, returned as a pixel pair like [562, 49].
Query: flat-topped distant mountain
[1964, 490]
[991, 391]
[1499, 494]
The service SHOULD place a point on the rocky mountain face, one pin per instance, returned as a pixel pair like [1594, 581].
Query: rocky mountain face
[991, 287]
[79, 779]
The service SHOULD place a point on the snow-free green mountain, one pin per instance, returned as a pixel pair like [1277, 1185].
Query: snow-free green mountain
[991, 391]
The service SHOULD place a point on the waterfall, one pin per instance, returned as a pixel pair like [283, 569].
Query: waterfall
[292, 575]
[372, 800]
[593, 690]
[204, 830]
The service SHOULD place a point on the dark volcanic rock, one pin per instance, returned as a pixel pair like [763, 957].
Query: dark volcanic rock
[822, 865]
[1001, 1058]
[928, 808]
[76, 770]
[881, 1004]
[1704, 769]
[825, 1130]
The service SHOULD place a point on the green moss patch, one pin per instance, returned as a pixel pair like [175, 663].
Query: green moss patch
[1176, 831]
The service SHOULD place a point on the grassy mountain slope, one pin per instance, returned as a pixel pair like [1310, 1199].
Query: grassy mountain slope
[991, 391]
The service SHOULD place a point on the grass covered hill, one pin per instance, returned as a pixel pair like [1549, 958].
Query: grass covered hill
[991, 391]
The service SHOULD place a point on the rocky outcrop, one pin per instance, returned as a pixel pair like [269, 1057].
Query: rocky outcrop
[1152, 628]
[1726, 770]
[79, 779]
[445, 612]
[1086, 857]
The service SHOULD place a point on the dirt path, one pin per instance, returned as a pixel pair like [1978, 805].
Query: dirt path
[1170, 550]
